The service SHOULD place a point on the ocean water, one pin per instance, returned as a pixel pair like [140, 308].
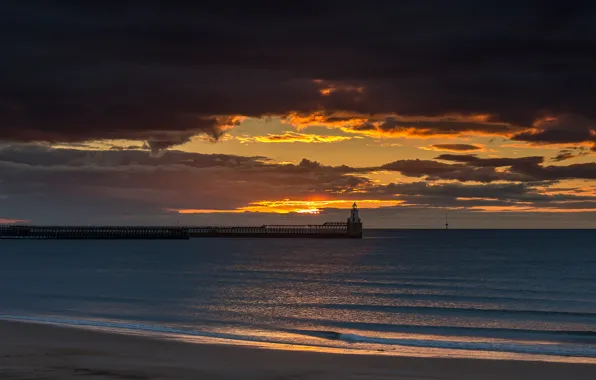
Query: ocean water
[527, 294]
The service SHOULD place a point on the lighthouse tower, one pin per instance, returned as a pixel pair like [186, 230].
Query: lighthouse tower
[354, 223]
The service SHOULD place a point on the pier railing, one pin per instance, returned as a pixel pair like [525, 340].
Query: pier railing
[92, 232]
[330, 229]
[269, 230]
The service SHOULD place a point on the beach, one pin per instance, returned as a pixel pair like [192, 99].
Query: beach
[41, 351]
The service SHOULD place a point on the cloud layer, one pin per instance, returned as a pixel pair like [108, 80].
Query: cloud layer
[165, 73]
[45, 184]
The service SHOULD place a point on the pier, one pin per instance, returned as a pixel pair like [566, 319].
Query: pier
[92, 232]
[352, 229]
[325, 230]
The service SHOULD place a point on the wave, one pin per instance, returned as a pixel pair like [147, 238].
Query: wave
[519, 348]
[555, 336]
[438, 310]
[355, 341]
[542, 349]
[485, 299]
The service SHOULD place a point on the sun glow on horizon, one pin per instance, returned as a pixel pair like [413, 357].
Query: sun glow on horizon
[305, 207]
[313, 211]
[13, 221]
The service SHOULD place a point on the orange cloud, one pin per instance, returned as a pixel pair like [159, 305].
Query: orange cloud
[589, 191]
[446, 126]
[301, 121]
[292, 137]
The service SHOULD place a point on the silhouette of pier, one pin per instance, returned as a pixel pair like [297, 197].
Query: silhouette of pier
[326, 230]
[352, 228]
[92, 232]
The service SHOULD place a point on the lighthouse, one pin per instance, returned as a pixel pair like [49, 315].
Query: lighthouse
[354, 223]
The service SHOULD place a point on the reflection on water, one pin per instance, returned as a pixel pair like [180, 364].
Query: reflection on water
[465, 293]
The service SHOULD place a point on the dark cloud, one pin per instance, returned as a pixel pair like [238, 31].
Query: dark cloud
[569, 153]
[415, 168]
[565, 129]
[434, 170]
[456, 147]
[460, 195]
[163, 73]
[38, 155]
[473, 160]
[563, 155]
[473, 168]
[528, 167]
[456, 190]
[556, 172]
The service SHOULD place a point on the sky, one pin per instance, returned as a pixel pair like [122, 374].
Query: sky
[242, 113]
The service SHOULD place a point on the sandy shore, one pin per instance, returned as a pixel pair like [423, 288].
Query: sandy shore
[34, 351]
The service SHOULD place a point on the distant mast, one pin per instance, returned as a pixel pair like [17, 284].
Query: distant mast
[446, 222]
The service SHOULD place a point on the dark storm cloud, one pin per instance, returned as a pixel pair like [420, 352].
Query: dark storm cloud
[163, 72]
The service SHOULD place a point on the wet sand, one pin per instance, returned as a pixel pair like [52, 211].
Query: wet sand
[36, 351]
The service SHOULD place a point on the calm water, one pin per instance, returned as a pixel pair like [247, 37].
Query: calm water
[462, 293]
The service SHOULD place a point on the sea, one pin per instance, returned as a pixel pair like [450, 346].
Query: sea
[493, 294]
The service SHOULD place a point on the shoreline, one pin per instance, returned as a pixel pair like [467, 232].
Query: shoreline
[42, 350]
[405, 349]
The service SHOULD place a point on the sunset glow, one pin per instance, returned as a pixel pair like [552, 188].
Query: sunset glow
[293, 125]
[12, 221]
[287, 206]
